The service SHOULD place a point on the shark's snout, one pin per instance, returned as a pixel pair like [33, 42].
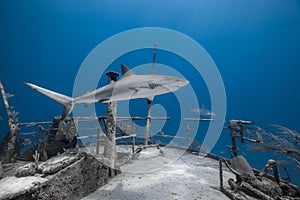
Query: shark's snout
[185, 82]
[182, 82]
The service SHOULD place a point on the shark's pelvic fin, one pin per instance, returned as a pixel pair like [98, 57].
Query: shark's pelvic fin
[64, 100]
[126, 71]
[150, 98]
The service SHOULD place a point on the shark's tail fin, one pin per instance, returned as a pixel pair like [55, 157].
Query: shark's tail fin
[64, 100]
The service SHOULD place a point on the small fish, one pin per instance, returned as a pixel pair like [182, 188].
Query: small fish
[1, 118]
[203, 111]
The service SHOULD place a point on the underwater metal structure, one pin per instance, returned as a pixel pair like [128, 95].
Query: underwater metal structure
[10, 139]
[251, 182]
[60, 135]
[110, 125]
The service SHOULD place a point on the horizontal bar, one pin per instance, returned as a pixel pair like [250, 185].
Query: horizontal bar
[33, 123]
[143, 118]
[87, 129]
[89, 136]
[30, 133]
[123, 137]
[198, 119]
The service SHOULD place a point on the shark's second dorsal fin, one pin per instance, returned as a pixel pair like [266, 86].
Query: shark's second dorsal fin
[126, 71]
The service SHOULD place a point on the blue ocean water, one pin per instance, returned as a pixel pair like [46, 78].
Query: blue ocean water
[255, 45]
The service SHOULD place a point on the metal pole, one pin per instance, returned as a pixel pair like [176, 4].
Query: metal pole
[110, 126]
[188, 132]
[221, 174]
[98, 138]
[232, 126]
[147, 132]
[13, 128]
[154, 58]
[4, 97]
[132, 133]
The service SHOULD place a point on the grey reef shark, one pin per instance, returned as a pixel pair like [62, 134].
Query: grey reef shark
[203, 111]
[130, 86]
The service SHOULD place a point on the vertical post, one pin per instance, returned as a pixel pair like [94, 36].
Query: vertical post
[232, 126]
[188, 132]
[110, 126]
[12, 125]
[76, 127]
[276, 172]
[242, 132]
[76, 124]
[4, 96]
[98, 138]
[147, 132]
[132, 133]
[221, 174]
[154, 58]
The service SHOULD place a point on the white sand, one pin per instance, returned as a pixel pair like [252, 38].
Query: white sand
[12, 185]
[176, 175]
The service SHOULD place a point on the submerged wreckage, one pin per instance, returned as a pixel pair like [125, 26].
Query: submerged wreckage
[54, 167]
[61, 135]
[251, 183]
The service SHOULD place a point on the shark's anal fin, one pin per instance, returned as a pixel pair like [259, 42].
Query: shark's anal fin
[150, 99]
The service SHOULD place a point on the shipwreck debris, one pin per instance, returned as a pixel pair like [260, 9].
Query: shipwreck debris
[255, 185]
[26, 170]
[110, 124]
[60, 135]
[13, 125]
[1, 170]
[281, 141]
[68, 176]
[250, 183]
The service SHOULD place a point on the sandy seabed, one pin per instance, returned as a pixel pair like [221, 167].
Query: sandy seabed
[173, 174]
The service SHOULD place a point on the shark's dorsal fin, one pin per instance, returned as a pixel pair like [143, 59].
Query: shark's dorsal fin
[126, 71]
